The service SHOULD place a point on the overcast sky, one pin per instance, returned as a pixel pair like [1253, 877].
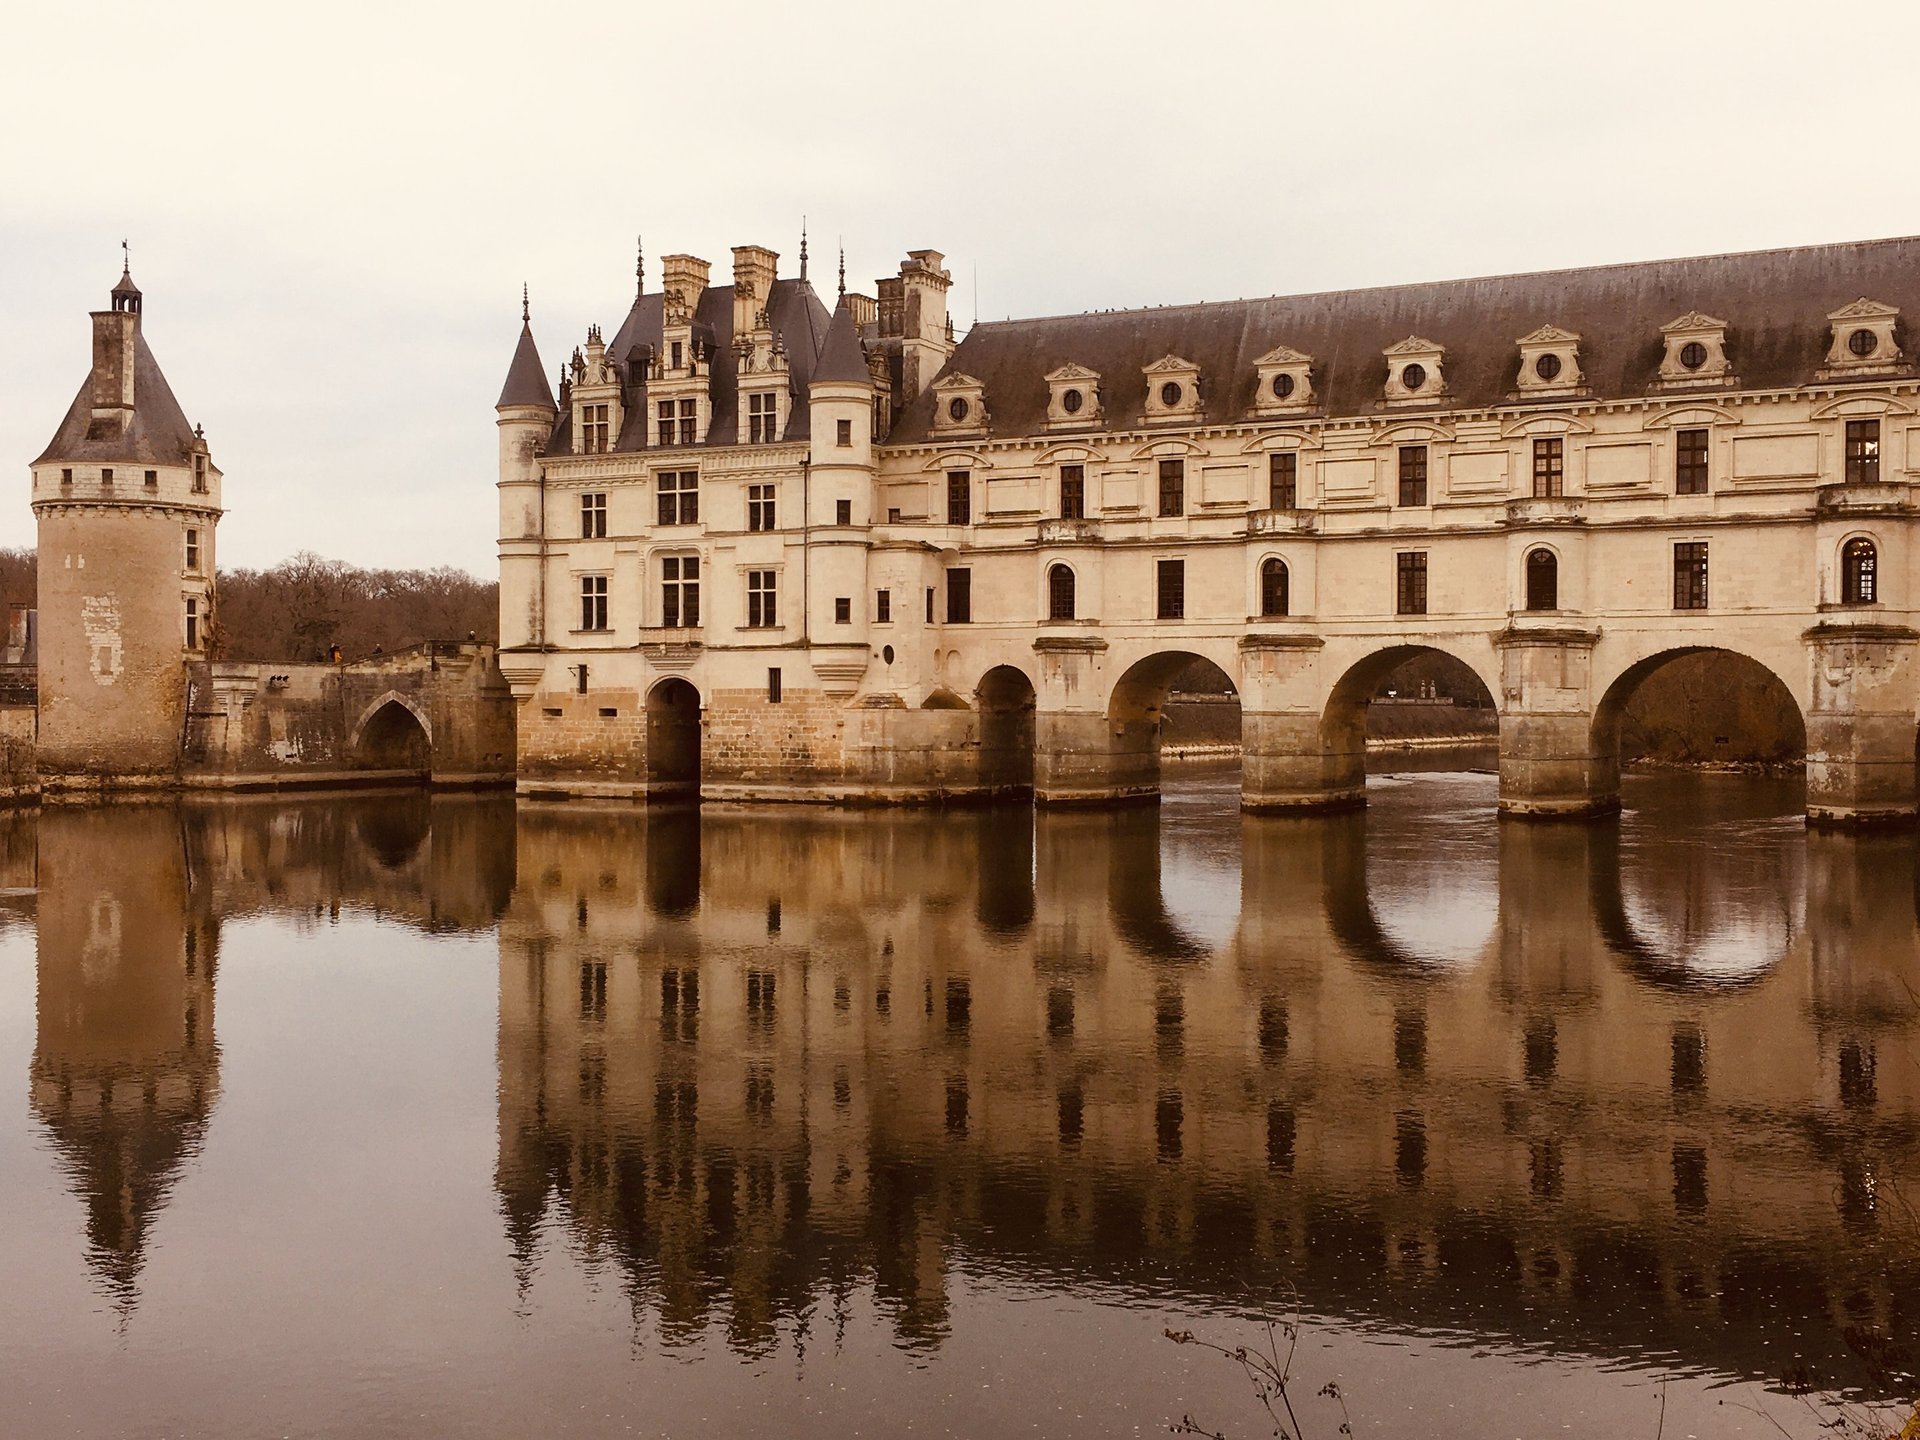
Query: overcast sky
[332, 207]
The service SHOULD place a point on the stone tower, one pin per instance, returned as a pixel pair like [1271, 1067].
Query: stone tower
[127, 499]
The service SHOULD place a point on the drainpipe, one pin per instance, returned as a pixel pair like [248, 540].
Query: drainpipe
[806, 545]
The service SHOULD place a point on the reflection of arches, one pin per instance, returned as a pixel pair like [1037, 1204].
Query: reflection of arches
[394, 827]
[392, 734]
[1005, 902]
[673, 861]
[1007, 703]
[1607, 715]
[1354, 917]
[673, 738]
[1135, 898]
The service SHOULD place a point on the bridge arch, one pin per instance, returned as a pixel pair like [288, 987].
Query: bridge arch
[1611, 710]
[1343, 717]
[392, 733]
[1007, 704]
[673, 738]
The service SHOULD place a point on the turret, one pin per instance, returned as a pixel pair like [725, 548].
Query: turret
[526, 413]
[840, 401]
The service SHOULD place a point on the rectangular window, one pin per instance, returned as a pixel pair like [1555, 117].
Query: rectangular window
[1690, 462]
[883, 607]
[193, 624]
[1549, 467]
[1410, 583]
[760, 419]
[959, 497]
[680, 591]
[678, 352]
[762, 599]
[1170, 590]
[193, 551]
[689, 415]
[959, 597]
[1413, 475]
[1173, 487]
[152, 479]
[106, 475]
[663, 415]
[199, 474]
[580, 675]
[929, 605]
[843, 610]
[759, 507]
[593, 602]
[773, 687]
[1690, 575]
[593, 429]
[1863, 452]
[593, 517]
[1283, 481]
[679, 497]
[843, 433]
[1073, 492]
[66, 475]
[843, 512]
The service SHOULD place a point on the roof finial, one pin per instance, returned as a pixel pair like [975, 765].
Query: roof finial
[525, 313]
[803, 247]
[640, 265]
[126, 259]
[843, 269]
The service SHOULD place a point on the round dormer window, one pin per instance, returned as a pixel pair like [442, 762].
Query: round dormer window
[1170, 394]
[957, 409]
[1413, 377]
[1863, 343]
[1071, 401]
[1282, 386]
[1547, 367]
[1693, 354]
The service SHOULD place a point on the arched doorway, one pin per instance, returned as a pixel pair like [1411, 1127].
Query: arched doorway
[393, 736]
[1006, 699]
[673, 739]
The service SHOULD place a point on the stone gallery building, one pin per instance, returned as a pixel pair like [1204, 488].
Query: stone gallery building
[765, 550]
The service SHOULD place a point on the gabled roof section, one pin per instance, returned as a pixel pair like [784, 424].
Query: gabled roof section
[157, 435]
[1777, 304]
[526, 377]
[843, 361]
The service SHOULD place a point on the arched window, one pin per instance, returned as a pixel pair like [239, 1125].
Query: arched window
[1543, 580]
[1060, 593]
[1859, 573]
[1273, 587]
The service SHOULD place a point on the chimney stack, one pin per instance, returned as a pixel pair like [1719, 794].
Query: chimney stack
[754, 269]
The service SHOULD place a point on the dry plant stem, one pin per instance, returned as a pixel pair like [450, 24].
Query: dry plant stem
[1270, 1374]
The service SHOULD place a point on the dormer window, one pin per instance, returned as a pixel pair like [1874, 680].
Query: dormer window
[1283, 382]
[1550, 362]
[1173, 391]
[676, 422]
[678, 352]
[1073, 397]
[593, 429]
[199, 474]
[763, 419]
[1863, 341]
[959, 405]
[1696, 352]
[1415, 372]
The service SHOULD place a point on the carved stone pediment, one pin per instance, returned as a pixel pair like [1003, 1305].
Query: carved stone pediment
[1864, 341]
[959, 405]
[1283, 382]
[1173, 390]
[1416, 372]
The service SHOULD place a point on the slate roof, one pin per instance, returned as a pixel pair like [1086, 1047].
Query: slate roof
[1775, 303]
[841, 356]
[158, 435]
[526, 377]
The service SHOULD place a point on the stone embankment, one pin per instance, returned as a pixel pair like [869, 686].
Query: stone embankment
[1209, 725]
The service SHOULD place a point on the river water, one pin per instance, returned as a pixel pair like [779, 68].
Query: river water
[423, 1116]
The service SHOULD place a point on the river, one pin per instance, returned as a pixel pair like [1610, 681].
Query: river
[440, 1115]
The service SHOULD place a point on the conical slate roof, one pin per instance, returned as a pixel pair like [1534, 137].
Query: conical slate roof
[526, 377]
[842, 359]
[158, 435]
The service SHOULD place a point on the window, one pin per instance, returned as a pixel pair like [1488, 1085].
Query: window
[689, 413]
[1690, 462]
[679, 497]
[593, 602]
[773, 686]
[759, 507]
[1273, 585]
[593, 429]
[929, 605]
[199, 474]
[580, 676]
[1543, 580]
[959, 497]
[843, 433]
[1060, 593]
[1413, 474]
[1283, 480]
[663, 415]
[843, 610]
[193, 623]
[1549, 467]
[1410, 581]
[762, 599]
[152, 479]
[678, 353]
[843, 512]
[1690, 575]
[106, 473]
[883, 607]
[1073, 492]
[1858, 578]
[680, 591]
[193, 551]
[959, 597]
[1170, 590]
[760, 419]
[1173, 487]
[66, 475]
[1863, 452]
[593, 517]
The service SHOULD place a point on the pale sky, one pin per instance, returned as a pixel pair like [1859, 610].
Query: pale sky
[332, 207]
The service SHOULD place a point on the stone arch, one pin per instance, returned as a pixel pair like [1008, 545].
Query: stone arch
[1604, 734]
[1007, 702]
[392, 733]
[673, 738]
[1343, 719]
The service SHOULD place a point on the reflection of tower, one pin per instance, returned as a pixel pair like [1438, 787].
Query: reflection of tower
[125, 1070]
